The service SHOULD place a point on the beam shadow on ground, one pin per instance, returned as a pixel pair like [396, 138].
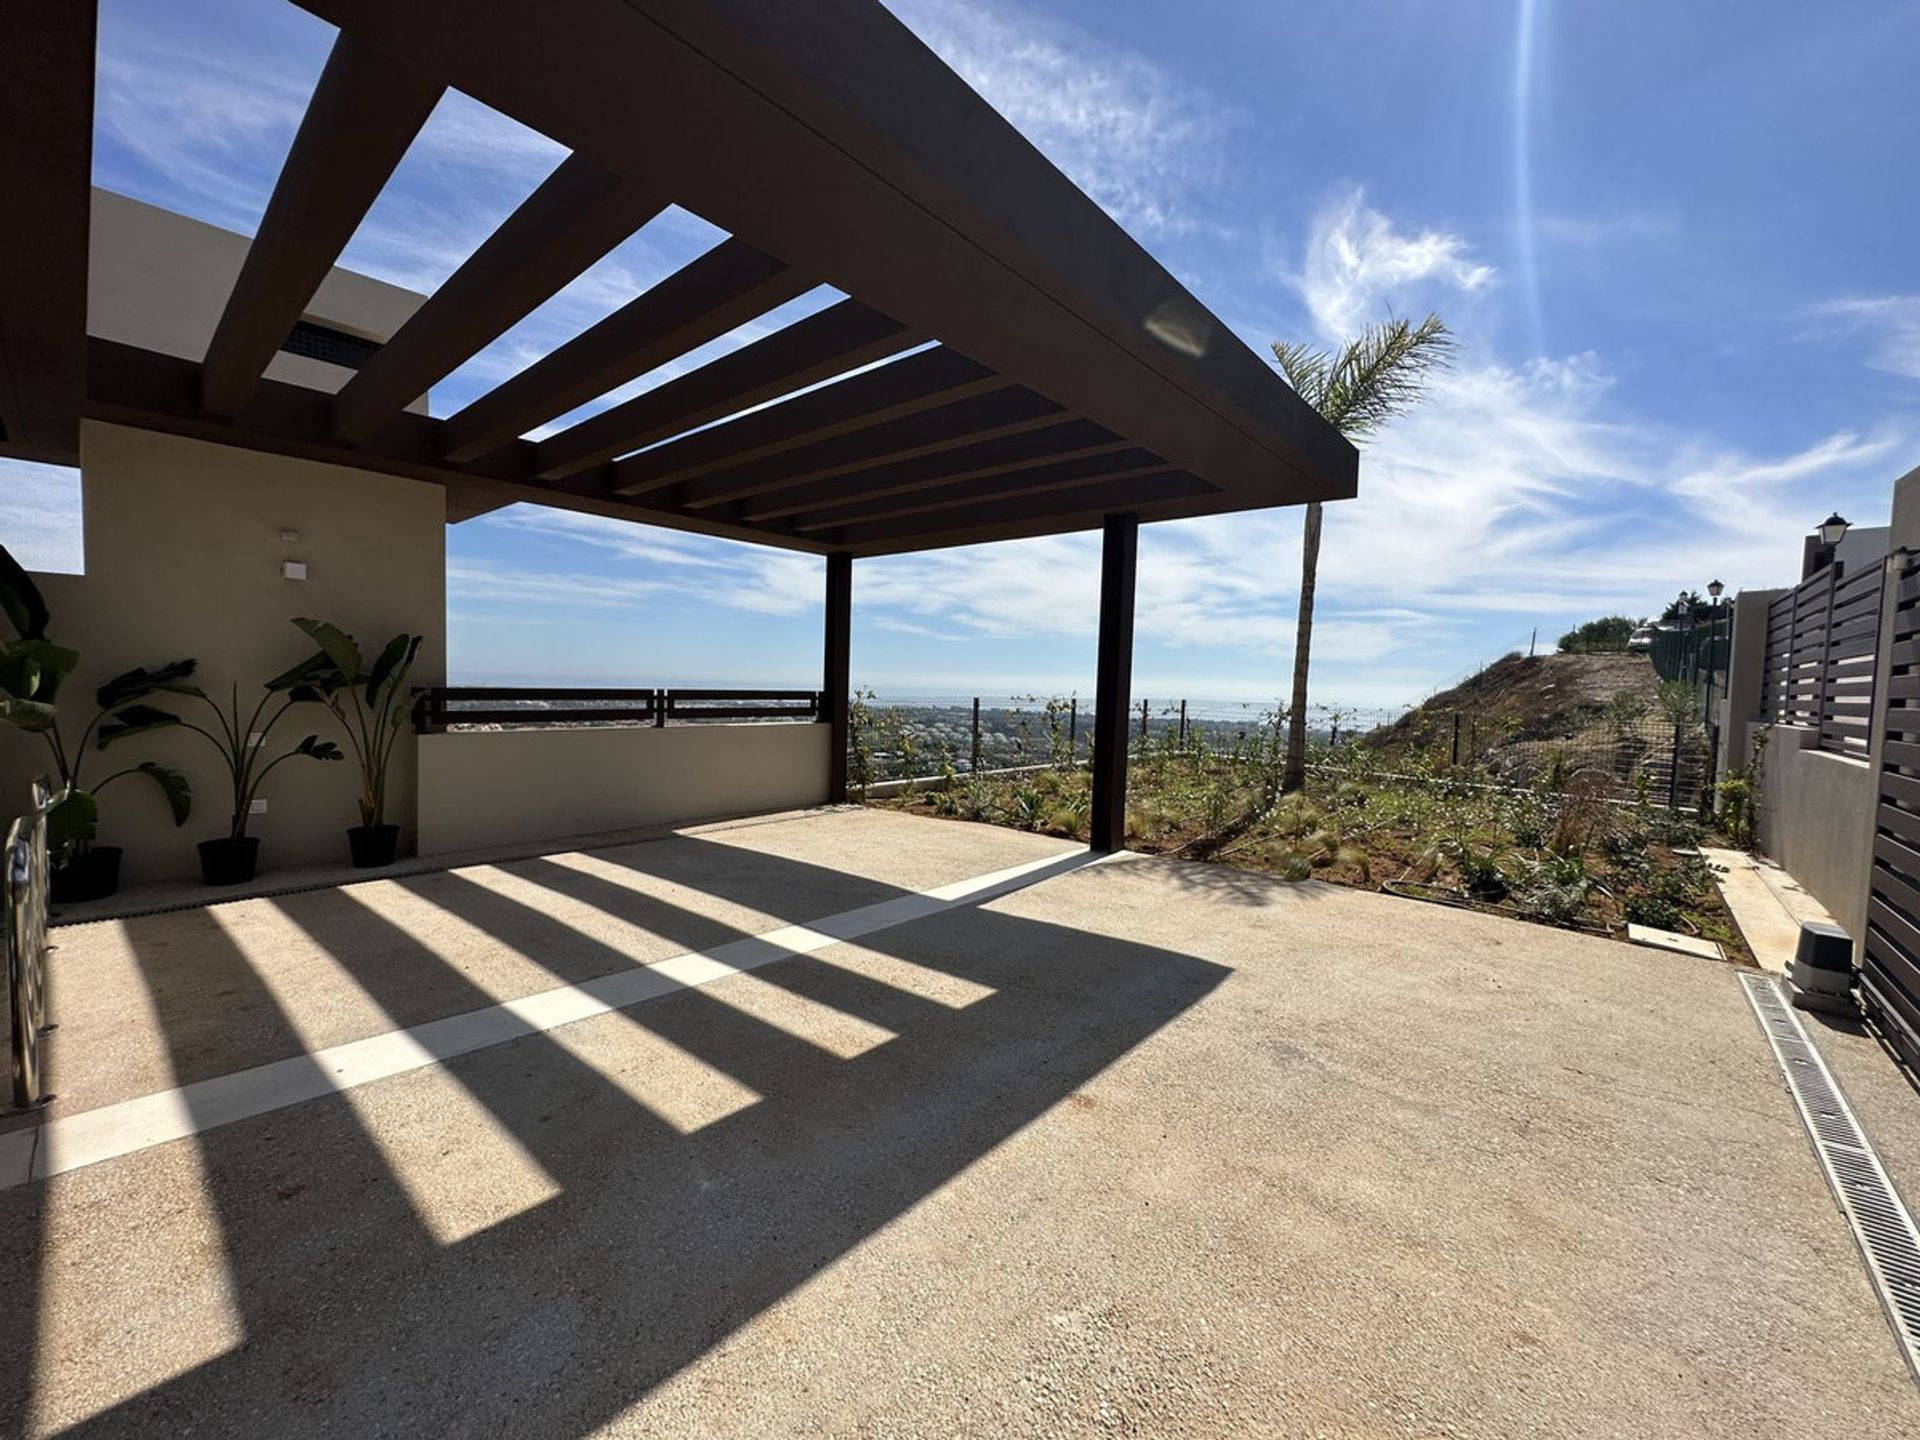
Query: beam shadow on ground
[656, 1243]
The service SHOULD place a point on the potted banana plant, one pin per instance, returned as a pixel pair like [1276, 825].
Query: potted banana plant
[233, 858]
[372, 704]
[32, 668]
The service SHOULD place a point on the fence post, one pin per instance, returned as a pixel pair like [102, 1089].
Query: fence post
[1456, 737]
[974, 767]
[1834, 572]
[1183, 724]
[1073, 729]
[1143, 719]
[1673, 772]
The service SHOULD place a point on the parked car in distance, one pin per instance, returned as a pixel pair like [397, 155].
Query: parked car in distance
[1642, 638]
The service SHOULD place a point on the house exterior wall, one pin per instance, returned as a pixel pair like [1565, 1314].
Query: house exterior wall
[183, 557]
[499, 787]
[160, 281]
[1816, 820]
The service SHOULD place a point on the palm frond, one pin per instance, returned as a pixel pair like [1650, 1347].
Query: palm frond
[1375, 376]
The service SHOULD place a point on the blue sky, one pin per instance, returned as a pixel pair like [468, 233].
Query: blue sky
[1676, 243]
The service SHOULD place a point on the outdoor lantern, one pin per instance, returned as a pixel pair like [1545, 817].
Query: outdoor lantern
[1832, 529]
[1715, 589]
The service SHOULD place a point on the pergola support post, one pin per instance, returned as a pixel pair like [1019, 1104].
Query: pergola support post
[1119, 549]
[836, 683]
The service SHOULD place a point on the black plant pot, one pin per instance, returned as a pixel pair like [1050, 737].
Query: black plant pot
[373, 845]
[90, 875]
[227, 861]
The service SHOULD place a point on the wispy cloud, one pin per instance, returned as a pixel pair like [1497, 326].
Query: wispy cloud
[1358, 262]
[1891, 323]
[1129, 132]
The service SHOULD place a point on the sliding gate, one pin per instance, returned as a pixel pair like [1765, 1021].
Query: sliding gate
[1890, 966]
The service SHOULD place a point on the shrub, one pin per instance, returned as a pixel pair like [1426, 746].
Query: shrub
[1609, 633]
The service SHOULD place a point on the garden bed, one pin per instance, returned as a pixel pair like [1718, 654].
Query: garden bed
[1573, 856]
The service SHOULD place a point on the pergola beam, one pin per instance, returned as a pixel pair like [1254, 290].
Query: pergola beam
[578, 214]
[1067, 440]
[46, 153]
[831, 342]
[1040, 480]
[1076, 509]
[906, 387]
[364, 114]
[963, 422]
[789, 129]
[726, 287]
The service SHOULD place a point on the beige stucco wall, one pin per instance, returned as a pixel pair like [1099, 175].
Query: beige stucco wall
[160, 281]
[499, 787]
[1816, 820]
[183, 557]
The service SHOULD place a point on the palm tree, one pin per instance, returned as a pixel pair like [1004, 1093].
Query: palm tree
[1379, 373]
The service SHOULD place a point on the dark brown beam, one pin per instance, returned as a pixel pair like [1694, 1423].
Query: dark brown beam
[1074, 509]
[46, 156]
[1040, 480]
[1068, 440]
[906, 387]
[1113, 682]
[828, 134]
[837, 671]
[1004, 412]
[150, 391]
[840, 338]
[363, 116]
[575, 217]
[726, 287]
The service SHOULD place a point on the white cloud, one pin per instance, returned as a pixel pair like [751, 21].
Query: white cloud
[1357, 263]
[40, 516]
[1127, 131]
[730, 573]
[1892, 322]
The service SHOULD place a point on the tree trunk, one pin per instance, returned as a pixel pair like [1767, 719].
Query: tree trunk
[1295, 774]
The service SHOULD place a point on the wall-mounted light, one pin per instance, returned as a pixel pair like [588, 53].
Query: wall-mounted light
[294, 569]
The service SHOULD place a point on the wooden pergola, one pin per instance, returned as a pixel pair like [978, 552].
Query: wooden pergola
[1046, 374]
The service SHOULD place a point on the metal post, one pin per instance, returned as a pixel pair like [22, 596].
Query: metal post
[1073, 729]
[1113, 673]
[1456, 737]
[1183, 724]
[837, 681]
[975, 764]
[1673, 773]
[1143, 719]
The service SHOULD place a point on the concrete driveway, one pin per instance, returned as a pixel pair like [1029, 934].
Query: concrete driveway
[805, 1128]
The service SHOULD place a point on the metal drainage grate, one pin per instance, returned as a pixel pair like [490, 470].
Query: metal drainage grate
[1882, 1225]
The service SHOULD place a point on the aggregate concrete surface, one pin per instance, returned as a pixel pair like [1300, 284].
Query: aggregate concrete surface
[1149, 1148]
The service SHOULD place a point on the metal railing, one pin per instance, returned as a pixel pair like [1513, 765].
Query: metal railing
[1823, 640]
[23, 895]
[444, 707]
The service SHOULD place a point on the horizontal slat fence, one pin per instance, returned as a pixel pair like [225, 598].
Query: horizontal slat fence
[1823, 640]
[443, 706]
[1890, 963]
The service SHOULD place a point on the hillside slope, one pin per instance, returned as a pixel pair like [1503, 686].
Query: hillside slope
[1524, 699]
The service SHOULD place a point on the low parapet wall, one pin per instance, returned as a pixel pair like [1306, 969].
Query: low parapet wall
[1816, 820]
[498, 787]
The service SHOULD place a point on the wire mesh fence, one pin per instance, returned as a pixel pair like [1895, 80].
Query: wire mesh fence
[913, 737]
[1618, 750]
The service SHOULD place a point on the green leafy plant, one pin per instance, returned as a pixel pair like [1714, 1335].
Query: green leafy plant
[1739, 796]
[371, 702]
[32, 669]
[243, 745]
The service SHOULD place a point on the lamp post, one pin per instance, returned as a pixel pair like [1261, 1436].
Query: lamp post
[1821, 545]
[1716, 590]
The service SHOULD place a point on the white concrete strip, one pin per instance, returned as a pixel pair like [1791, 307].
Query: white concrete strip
[72, 1141]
